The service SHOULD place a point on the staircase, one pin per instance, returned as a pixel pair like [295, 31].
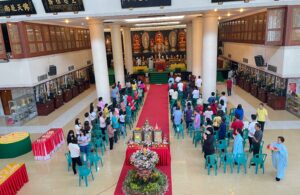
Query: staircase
[159, 77]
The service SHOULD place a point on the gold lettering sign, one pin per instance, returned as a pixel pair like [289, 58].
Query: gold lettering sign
[16, 7]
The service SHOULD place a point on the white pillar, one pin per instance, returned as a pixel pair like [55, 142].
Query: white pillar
[128, 49]
[99, 59]
[210, 47]
[189, 47]
[117, 53]
[197, 46]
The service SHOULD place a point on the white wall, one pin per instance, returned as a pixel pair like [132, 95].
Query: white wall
[291, 66]
[24, 72]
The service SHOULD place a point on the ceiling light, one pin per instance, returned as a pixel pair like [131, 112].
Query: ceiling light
[229, 14]
[219, 18]
[67, 21]
[82, 23]
[241, 10]
[87, 18]
[153, 28]
[157, 24]
[154, 19]
[215, 10]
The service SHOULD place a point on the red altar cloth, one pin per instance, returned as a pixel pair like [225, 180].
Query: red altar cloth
[14, 182]
[160, 65]
[47, 144]
[163, 154]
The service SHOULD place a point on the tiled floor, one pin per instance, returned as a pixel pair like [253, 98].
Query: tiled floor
[188, 173]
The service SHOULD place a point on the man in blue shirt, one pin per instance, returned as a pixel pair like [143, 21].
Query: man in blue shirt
[177, 116]
[114, 94]
[212, 98]
[171, 81]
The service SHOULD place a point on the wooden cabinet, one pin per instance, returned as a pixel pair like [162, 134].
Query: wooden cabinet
[46, 108]
[248, 29]
[74, 91]
[58, 101]
[262, 95]
[276, 102]
[67, 95]
[80, 87]
[86, 85]
[33, 39]
[247, 85]
[253, 91]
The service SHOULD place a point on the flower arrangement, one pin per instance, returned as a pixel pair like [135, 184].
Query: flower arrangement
[144, 159]
[156, 185]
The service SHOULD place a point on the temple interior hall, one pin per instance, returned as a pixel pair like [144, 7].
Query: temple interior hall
[149, 97]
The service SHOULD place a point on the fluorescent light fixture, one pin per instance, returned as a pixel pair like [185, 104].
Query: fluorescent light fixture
[154, 28]
[154, 19]
[158, 24]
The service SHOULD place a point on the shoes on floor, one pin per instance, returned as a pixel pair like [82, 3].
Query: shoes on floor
[277, 179]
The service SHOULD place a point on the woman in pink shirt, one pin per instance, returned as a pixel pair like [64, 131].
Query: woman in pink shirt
[101, 104]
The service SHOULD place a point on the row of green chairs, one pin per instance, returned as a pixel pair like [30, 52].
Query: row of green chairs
[227, 159]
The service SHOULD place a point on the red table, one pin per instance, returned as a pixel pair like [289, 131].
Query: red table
[47, 144]
[163, 153]
[15, 181]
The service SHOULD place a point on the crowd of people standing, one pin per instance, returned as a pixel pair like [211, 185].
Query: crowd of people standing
[213, 117]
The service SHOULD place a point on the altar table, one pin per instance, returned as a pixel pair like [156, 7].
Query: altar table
[160, 66]
[12, 178]
[47, 144]
[163, 154]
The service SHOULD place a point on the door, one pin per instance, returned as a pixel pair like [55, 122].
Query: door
[5, 97]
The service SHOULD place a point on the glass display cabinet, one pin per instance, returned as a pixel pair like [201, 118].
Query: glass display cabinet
[22, 109]
[52, 94]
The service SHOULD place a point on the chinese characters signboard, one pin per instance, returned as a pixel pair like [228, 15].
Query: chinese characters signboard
[16, 7]
[52, 6]
[144, 3]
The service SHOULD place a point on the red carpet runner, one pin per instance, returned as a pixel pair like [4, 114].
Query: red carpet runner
[156, 111]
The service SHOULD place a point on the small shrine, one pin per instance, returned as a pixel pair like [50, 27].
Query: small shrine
[147, 135]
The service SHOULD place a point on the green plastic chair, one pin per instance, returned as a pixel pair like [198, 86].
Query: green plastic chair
[69, 160]
[179, 130]
[241, 159]
[83, 173]
[232, 111]
[261, 146]
[245, 137]
[197, 137]
[227, 159]
[190, 129]
[99, 144]
[229, 136]
[259, 161]
[123, 126]
[211, 162]
[222, 146]
[128, 121]
[94, 158]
